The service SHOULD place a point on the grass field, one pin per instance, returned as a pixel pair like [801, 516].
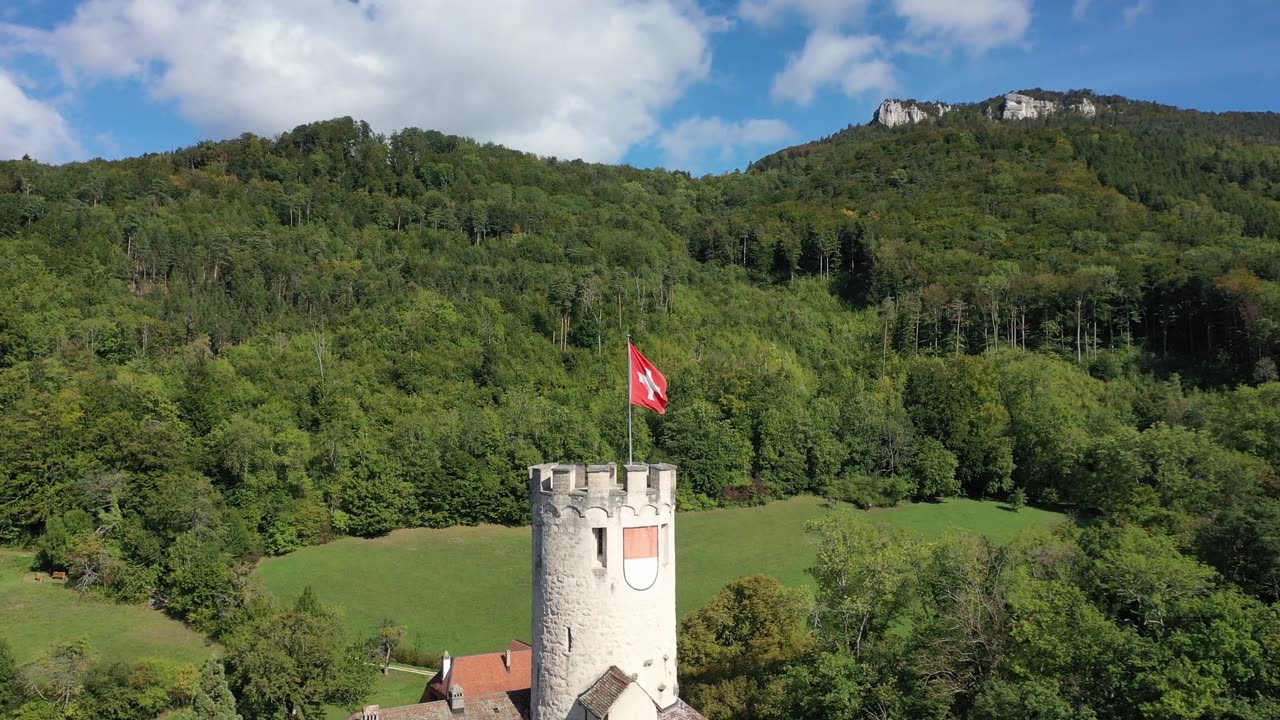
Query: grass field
[393, 689]
[34, 615]
[467, 589]
[461, 589]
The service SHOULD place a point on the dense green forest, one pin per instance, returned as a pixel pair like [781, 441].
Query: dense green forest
[244, 347]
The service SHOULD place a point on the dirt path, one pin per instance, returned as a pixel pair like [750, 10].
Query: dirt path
[409, 669]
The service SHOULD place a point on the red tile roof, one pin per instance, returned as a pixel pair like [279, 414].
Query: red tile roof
[486, 673]
[496, 706]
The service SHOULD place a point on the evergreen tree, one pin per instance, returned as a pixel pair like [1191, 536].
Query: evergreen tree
[1017, 499]
[213, 700]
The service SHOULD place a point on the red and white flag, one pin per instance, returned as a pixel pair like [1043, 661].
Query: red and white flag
[648, 386]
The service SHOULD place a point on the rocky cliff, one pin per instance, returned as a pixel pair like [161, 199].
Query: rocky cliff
[893, 113]
[1016, 106]
[1010, 106]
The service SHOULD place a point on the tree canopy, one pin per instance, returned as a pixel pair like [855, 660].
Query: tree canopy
[247, 346]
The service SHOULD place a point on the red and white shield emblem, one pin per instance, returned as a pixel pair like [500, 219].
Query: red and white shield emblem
[640, 556]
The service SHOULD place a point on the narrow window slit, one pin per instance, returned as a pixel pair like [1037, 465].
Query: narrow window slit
[601, 555]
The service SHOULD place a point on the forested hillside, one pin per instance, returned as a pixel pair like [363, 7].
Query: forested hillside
[247, 346]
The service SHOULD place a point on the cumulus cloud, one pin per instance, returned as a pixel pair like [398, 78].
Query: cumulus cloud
[847, 62]
[854, 63]
[573, 78]
[978, 25]
[32, 127]
[699, 141]
[817, 12]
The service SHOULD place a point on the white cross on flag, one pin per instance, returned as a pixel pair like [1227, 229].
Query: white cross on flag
[648, 386]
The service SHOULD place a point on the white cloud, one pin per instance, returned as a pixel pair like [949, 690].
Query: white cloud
[699, 141]
[817, 12]
[857, 63]
[1135, 11]
[573, 78]
[848, 62]
[1080, 9]
[32, 127]
[976, 24]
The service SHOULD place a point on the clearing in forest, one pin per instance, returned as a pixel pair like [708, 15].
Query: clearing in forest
[35, 615]
[467, 589]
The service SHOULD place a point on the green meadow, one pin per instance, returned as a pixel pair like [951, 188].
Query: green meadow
[34, 615]
[464, 589]
[467, 589]
[461, 589]
[392, 690]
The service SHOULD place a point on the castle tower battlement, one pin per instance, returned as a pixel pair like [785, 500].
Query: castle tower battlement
[603, 582]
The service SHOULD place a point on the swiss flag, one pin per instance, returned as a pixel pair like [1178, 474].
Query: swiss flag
[648, 386]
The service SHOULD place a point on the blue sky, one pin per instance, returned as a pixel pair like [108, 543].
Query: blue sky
[702, 85]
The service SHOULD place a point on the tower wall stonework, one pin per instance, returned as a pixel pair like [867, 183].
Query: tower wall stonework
[586, 616]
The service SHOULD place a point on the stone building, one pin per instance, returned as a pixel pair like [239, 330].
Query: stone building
[604, 609]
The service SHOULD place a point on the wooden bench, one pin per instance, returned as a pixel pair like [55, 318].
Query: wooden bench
[59, 575]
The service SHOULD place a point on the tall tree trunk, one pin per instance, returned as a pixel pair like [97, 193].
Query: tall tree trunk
[957, 322]
[995, 323]
[1079, 303]
[884, 344]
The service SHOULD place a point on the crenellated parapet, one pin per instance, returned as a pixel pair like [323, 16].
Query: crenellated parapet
[643, 489]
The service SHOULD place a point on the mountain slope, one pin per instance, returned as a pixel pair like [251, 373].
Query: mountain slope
[247, 346]
[1161, 235]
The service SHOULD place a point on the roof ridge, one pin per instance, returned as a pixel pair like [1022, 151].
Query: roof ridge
[606, 690]
[456, 658]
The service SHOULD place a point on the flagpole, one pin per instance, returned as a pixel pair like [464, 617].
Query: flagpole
[629, 370]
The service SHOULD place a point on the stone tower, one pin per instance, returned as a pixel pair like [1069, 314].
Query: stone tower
[604, 587]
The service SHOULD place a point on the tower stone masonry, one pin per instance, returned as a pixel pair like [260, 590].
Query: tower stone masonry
[604, 582]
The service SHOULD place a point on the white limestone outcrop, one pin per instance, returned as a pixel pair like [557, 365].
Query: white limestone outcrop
[1024, 107]
[1016, 106]
[893, 113]
[1084, 107]
[1011, 106]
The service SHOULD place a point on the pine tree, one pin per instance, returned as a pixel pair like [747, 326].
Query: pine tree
[1017, 499]
[309, 604]
[214, 700]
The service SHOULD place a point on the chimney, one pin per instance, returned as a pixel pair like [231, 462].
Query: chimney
[446, 664]
[370, 712]
[506, 659]
[455, 699]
